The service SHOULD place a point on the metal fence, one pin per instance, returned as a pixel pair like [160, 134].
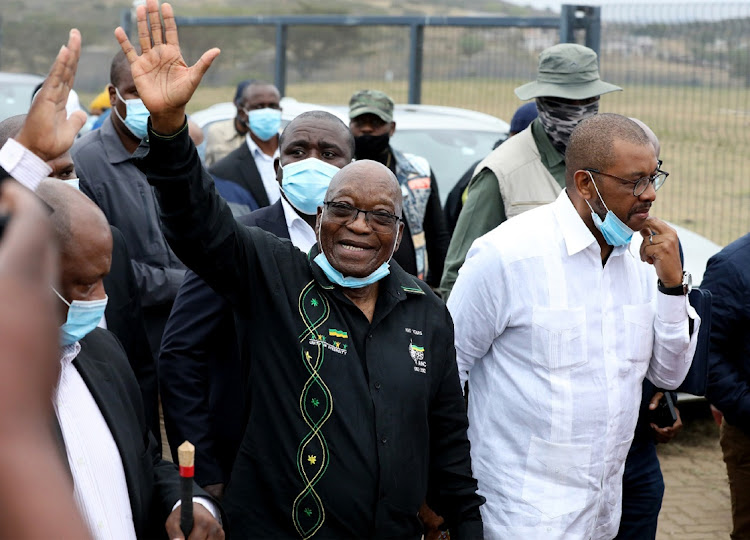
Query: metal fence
[685, 70]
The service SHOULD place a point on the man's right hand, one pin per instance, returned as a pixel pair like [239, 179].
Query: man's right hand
[164, 81]
[47, 131]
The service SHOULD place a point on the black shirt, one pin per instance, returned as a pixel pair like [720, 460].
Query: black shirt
[352, 424]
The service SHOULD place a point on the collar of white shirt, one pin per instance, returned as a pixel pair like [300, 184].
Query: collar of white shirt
[255, 150]
[574, 231]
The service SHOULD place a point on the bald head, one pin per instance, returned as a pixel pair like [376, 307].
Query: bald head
[10, 127]
[367, 175]
[592, 143]
[344, 137]
[75, 218]
[650, 134]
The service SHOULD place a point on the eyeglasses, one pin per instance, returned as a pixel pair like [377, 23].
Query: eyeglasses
[378, 220]
[640, 185]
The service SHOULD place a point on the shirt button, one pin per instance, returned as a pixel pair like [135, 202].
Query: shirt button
[384, 440]
[377, 386]
[369, 336]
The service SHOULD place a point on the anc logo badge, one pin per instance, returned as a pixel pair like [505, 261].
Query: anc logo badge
[417, 354]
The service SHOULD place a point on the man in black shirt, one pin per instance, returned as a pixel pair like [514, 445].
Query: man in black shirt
[356, 414]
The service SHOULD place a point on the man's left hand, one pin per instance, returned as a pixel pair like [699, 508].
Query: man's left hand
[661, 247]
[666, 434]
[205, 525]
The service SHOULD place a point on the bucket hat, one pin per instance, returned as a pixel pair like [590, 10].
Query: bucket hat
[567, 71]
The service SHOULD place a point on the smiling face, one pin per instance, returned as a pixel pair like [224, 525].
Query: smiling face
[632, 161]
[354, 249]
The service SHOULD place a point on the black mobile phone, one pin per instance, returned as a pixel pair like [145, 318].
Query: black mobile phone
[664, 415]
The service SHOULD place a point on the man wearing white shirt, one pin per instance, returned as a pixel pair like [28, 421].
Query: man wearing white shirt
[202, 368]
[246, 177]
[557, 321]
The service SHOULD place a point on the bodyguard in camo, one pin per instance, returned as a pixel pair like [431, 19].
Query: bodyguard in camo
[529, 170]
[356, 413]
[426, 237]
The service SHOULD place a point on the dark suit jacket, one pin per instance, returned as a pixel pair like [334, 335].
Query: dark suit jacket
[153, 483]
[125, 320]
[239, 167]
[202, 373]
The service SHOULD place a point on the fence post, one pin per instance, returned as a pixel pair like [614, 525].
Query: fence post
[416, 54]
[280, 63]
[594, 28]
[567, 23]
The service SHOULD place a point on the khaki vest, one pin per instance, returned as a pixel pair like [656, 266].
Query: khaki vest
[525, 182]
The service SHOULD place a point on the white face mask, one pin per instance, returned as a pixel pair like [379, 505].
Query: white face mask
[73, 182]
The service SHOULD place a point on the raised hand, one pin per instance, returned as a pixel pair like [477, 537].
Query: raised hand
[48, 132]
[661, 247]
[164, 81]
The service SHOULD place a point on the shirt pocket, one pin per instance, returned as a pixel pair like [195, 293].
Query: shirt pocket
[639, 332]
[556, 480]
[558, 337]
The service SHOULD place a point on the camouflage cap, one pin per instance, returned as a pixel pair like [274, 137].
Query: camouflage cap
[373, 102]
[567, 71]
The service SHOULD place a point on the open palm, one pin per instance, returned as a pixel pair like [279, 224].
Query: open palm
[164, 81]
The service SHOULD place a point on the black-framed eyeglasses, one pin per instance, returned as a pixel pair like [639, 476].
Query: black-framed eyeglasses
[640, 185]
[378, 220]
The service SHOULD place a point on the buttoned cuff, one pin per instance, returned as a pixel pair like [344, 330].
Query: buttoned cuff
[23, 165]
[205, 503]
[674, 309]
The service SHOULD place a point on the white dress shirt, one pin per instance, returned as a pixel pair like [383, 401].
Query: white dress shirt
[300, 233]
[264, 162]
[556, 347]
[101, 491]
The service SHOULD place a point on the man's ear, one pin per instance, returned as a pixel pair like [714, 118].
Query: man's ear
[584, 185]
[277, 169]
[400, 235]
[392, 130]
[112, 95]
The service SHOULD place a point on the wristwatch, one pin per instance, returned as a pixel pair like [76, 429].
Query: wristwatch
[679, 290]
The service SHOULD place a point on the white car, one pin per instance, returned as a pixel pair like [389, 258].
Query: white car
[16, 90]
[451, 139]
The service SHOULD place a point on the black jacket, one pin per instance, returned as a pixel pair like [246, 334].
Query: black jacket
[201, 373]
[153, 483]
[352, 424]
[125, 320]
[239, 167]
[727, 276]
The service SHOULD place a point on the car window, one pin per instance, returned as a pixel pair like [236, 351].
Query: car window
[449, 152]
[15, 98]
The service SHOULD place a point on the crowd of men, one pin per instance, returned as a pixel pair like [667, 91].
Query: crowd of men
[284, 298]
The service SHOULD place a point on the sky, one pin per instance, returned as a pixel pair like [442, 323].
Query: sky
[661, 9]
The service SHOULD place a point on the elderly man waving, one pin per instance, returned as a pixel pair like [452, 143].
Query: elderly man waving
[356, 414]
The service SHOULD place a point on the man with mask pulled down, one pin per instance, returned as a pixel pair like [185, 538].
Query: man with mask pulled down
[201, 367]
[558, 320]
[422, 251]
[528, 170]
[355, 415]
[108, 175]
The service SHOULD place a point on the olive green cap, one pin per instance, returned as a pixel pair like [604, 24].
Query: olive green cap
[372, 102]
[567, 71]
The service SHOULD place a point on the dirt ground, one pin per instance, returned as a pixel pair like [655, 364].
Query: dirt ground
[696, 502]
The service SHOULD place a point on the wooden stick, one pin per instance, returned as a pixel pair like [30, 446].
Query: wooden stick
[186, 457]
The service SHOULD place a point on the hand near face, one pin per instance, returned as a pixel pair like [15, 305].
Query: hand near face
[164, 81]
[661, 247]
[48, 132]
[205, 526]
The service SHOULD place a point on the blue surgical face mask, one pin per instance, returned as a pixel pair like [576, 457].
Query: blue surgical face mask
[136, 115]
[615, 232]
[305, 183]
[73, 182]
[83, 317]
[351, 282]
[264, 123]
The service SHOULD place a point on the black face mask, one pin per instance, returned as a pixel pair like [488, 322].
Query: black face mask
[371, 146]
